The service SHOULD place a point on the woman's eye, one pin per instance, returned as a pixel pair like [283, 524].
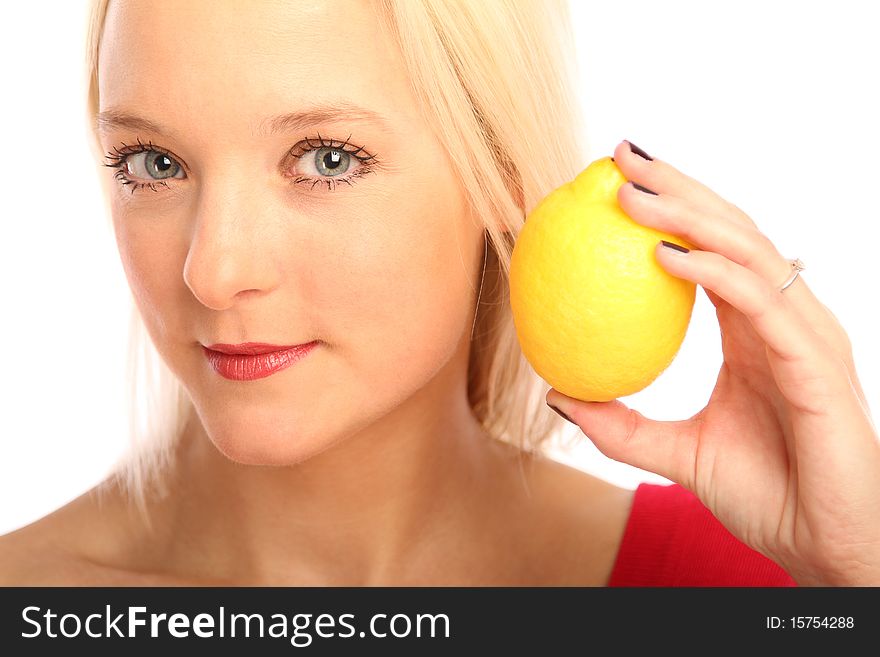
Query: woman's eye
[328, 162]
[143, 165]
[152, 165]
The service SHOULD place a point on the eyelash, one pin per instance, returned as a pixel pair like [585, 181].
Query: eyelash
[117, 158]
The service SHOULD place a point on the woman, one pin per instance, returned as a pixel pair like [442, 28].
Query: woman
[348, 178]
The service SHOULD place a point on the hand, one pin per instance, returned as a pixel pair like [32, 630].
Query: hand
[785, 453]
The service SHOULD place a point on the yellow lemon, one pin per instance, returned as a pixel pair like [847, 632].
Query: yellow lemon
[595, 314]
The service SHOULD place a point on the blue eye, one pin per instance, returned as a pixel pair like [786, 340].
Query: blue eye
[330, 161]
[154, 164]
[333, 161]
[155, 167]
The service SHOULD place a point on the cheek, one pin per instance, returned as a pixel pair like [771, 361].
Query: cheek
[153, 271]
[402, 287]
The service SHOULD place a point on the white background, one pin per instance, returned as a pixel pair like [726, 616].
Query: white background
[773, 105]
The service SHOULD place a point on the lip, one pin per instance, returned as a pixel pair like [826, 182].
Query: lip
[254, 360]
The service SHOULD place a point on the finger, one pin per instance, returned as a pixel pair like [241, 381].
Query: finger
[664, 178]
[809, 373]
[707, 231]
[667, 448]
[743, 244]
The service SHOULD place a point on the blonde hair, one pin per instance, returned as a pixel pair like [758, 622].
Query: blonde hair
[496, 81]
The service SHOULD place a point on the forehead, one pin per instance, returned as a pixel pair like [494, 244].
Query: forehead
[226, 59]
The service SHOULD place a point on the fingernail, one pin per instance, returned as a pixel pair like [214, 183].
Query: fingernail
[642, 189]
[560, 412]
[638, 151]
[674, 247]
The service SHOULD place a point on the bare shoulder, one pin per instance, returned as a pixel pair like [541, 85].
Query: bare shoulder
[571, 523]
[582, 497]
[83, 543]
[33, 556]
[586, 521]
[52, 551]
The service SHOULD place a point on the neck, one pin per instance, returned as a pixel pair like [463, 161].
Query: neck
[380, 506]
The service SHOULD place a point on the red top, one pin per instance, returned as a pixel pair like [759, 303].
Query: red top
[672, 539]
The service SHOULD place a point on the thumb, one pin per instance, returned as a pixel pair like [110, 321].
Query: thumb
[666, 448]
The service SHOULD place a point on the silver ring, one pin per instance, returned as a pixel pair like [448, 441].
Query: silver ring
[796, 267]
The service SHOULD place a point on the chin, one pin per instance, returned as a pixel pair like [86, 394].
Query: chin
[249, 441]
[264, 449]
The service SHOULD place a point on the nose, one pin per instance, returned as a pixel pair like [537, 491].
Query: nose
[231, 253]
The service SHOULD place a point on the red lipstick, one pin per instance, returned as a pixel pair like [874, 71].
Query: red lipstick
[254, 360]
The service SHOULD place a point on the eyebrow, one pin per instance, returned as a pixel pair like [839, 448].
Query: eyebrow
[310, 115]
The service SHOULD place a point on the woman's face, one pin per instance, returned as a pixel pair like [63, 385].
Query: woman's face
[241, 227]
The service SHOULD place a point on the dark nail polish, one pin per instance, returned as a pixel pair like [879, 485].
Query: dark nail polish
[642, 189]
[674, 247]
[638, 151]
[560, 412]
